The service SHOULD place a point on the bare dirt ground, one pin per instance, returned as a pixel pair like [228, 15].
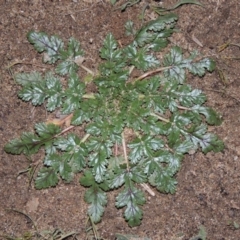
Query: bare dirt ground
[208, 190]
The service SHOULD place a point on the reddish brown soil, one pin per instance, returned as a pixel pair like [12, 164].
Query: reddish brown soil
[208, 192]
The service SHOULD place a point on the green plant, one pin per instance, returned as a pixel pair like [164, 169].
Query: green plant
[134, 129]
[156, 8]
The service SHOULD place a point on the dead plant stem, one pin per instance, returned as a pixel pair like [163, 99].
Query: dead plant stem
[125, 151]
[147, 74]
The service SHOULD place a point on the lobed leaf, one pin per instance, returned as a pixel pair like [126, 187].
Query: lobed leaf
[212, 117]
[43, 43]
[210, 142]
[46, 178]
[97, 199]
[163, 180]
[73, 94]
[69, 57]
[129, 28]
[47, 131]
[28, 78]
[27, 144]
[149, 33]
[131, 197]
[36, 92]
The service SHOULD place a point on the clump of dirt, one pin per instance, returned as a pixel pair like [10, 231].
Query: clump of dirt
[208, 190]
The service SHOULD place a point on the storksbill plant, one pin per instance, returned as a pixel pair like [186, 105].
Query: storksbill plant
[137, 129]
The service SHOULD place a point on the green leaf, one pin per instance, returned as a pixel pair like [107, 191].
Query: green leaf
[117, 179]
[60, 164]
[181, 2]
[178, 65]
[75, 151]
[162, 160]
[88, 179]
[133, 215]
[129, 4]
[163, 181]
[27, 144]
[109, 50]
[144, 147]
[137, 175]
[43, 43]
[149, 33]
[54, 90]
[77, 160]
[175, 60]
[68, 65]
[184, 147]
[131, 197]
[128, 195]
[28, 78]
[97, 200]
[113, 1]
[98, 162]
[80, 116]
[47, 131]
[212, 117]
[199, 68]
[65, 169]
[140, 59]
[73, 94]
[188, 97]
[46, 177]
[210, 142]
[98, 159]
[129, 28]
[160, 41]
[35, 92]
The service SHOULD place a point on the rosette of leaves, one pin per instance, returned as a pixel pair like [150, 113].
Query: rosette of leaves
[137, 129]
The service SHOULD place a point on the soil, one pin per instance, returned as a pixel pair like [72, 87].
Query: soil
[208, 189]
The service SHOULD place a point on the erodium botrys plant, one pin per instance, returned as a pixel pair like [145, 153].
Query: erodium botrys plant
[137, 129]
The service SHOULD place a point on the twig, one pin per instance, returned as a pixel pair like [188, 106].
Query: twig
[125, 151]
[17, 211]
[152, 73]
[183, 108]
[234, 44]
[87, 69]
[85, 138]
[67, 235]
[65, 130]
[148, 189]
[160, 117]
